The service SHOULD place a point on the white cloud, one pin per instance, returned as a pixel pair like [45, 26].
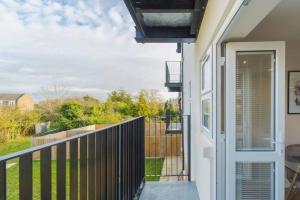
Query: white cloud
[115, 15]
[96, 56]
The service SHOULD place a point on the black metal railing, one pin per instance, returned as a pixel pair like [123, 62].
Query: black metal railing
[104, 164]
[173, 72]
[173, 124]
[164, 149]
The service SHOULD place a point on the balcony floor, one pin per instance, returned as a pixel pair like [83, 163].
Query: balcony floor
[169, 191]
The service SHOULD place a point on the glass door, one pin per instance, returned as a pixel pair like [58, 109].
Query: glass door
[255, 120]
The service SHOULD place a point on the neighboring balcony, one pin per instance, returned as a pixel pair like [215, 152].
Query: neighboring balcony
[173, 124]
[174, 76]
[170, 21]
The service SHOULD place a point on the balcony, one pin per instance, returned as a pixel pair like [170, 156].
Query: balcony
[174, 76]
[165, 21]
[173, 124]
[109, 163]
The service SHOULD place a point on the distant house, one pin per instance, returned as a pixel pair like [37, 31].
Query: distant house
[22, 101]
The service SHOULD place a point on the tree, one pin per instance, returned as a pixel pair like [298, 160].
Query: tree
[8, 124]
[27, 122]
[143, 106]
[154, 100]
[123, 103]
[58, 90]
[14, 123]
[71, 115]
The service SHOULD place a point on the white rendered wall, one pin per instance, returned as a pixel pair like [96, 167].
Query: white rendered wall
[202, 147]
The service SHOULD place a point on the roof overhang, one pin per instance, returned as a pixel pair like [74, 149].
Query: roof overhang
[166, 21]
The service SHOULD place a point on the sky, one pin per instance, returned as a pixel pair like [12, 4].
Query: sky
[87, 46]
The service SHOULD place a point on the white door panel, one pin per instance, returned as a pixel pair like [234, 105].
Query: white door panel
[255, 91]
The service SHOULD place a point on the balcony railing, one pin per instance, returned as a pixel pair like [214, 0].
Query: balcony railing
[174, 124]
[167, 157]
[174, 76]
[105, 164]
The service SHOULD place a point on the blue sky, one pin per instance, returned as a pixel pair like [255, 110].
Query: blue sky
[86, 45]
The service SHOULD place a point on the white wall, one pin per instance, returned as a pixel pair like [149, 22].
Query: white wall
[292, 121]
[203, 148]
[202, 168]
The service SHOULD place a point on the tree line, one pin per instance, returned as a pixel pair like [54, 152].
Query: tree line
[69, 113]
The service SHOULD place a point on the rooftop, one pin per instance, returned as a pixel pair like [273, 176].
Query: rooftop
[7, 96]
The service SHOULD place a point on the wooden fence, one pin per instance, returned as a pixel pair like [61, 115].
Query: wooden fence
[40, 140]
[160, 144]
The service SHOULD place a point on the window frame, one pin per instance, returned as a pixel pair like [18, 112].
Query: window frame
[206, 93]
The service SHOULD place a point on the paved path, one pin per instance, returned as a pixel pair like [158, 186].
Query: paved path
[171, 166]
[169, 191]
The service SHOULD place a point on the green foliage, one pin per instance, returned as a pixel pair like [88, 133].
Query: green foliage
[14, 123]
[143, 105]
[72, 113]
[27, 122]
[19, 144]
[170, 109]
[153, 167]
[123, 103]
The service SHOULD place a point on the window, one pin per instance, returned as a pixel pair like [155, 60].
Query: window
[206, 113]
[5, 103]
[206, 95]
[206, 75]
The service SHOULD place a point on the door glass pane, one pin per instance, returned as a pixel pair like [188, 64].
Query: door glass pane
[254, 101]
[254, 181]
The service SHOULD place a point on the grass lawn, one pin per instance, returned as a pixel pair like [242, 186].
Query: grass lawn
[13, 172]
[13, 181]
[153, 167]
[18, 144]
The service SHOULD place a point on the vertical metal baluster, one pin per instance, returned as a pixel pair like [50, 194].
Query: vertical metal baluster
[74, 169]
[45, 170]
[61, 171]
[155, 157]
[109, 164]
[160, 143]
[3, 180]
[25, 177]
[143, 145]
[120, 162]
[91, 167]
[177, 150]
[114, 166]
[83, 168]
[98, 166]
[103, 164]
[166, 147]
[150, 158]
[171, 153]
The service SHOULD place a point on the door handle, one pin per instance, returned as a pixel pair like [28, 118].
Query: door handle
[277, 142]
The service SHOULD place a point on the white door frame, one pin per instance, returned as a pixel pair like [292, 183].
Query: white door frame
[218, 39]
[276, 156]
